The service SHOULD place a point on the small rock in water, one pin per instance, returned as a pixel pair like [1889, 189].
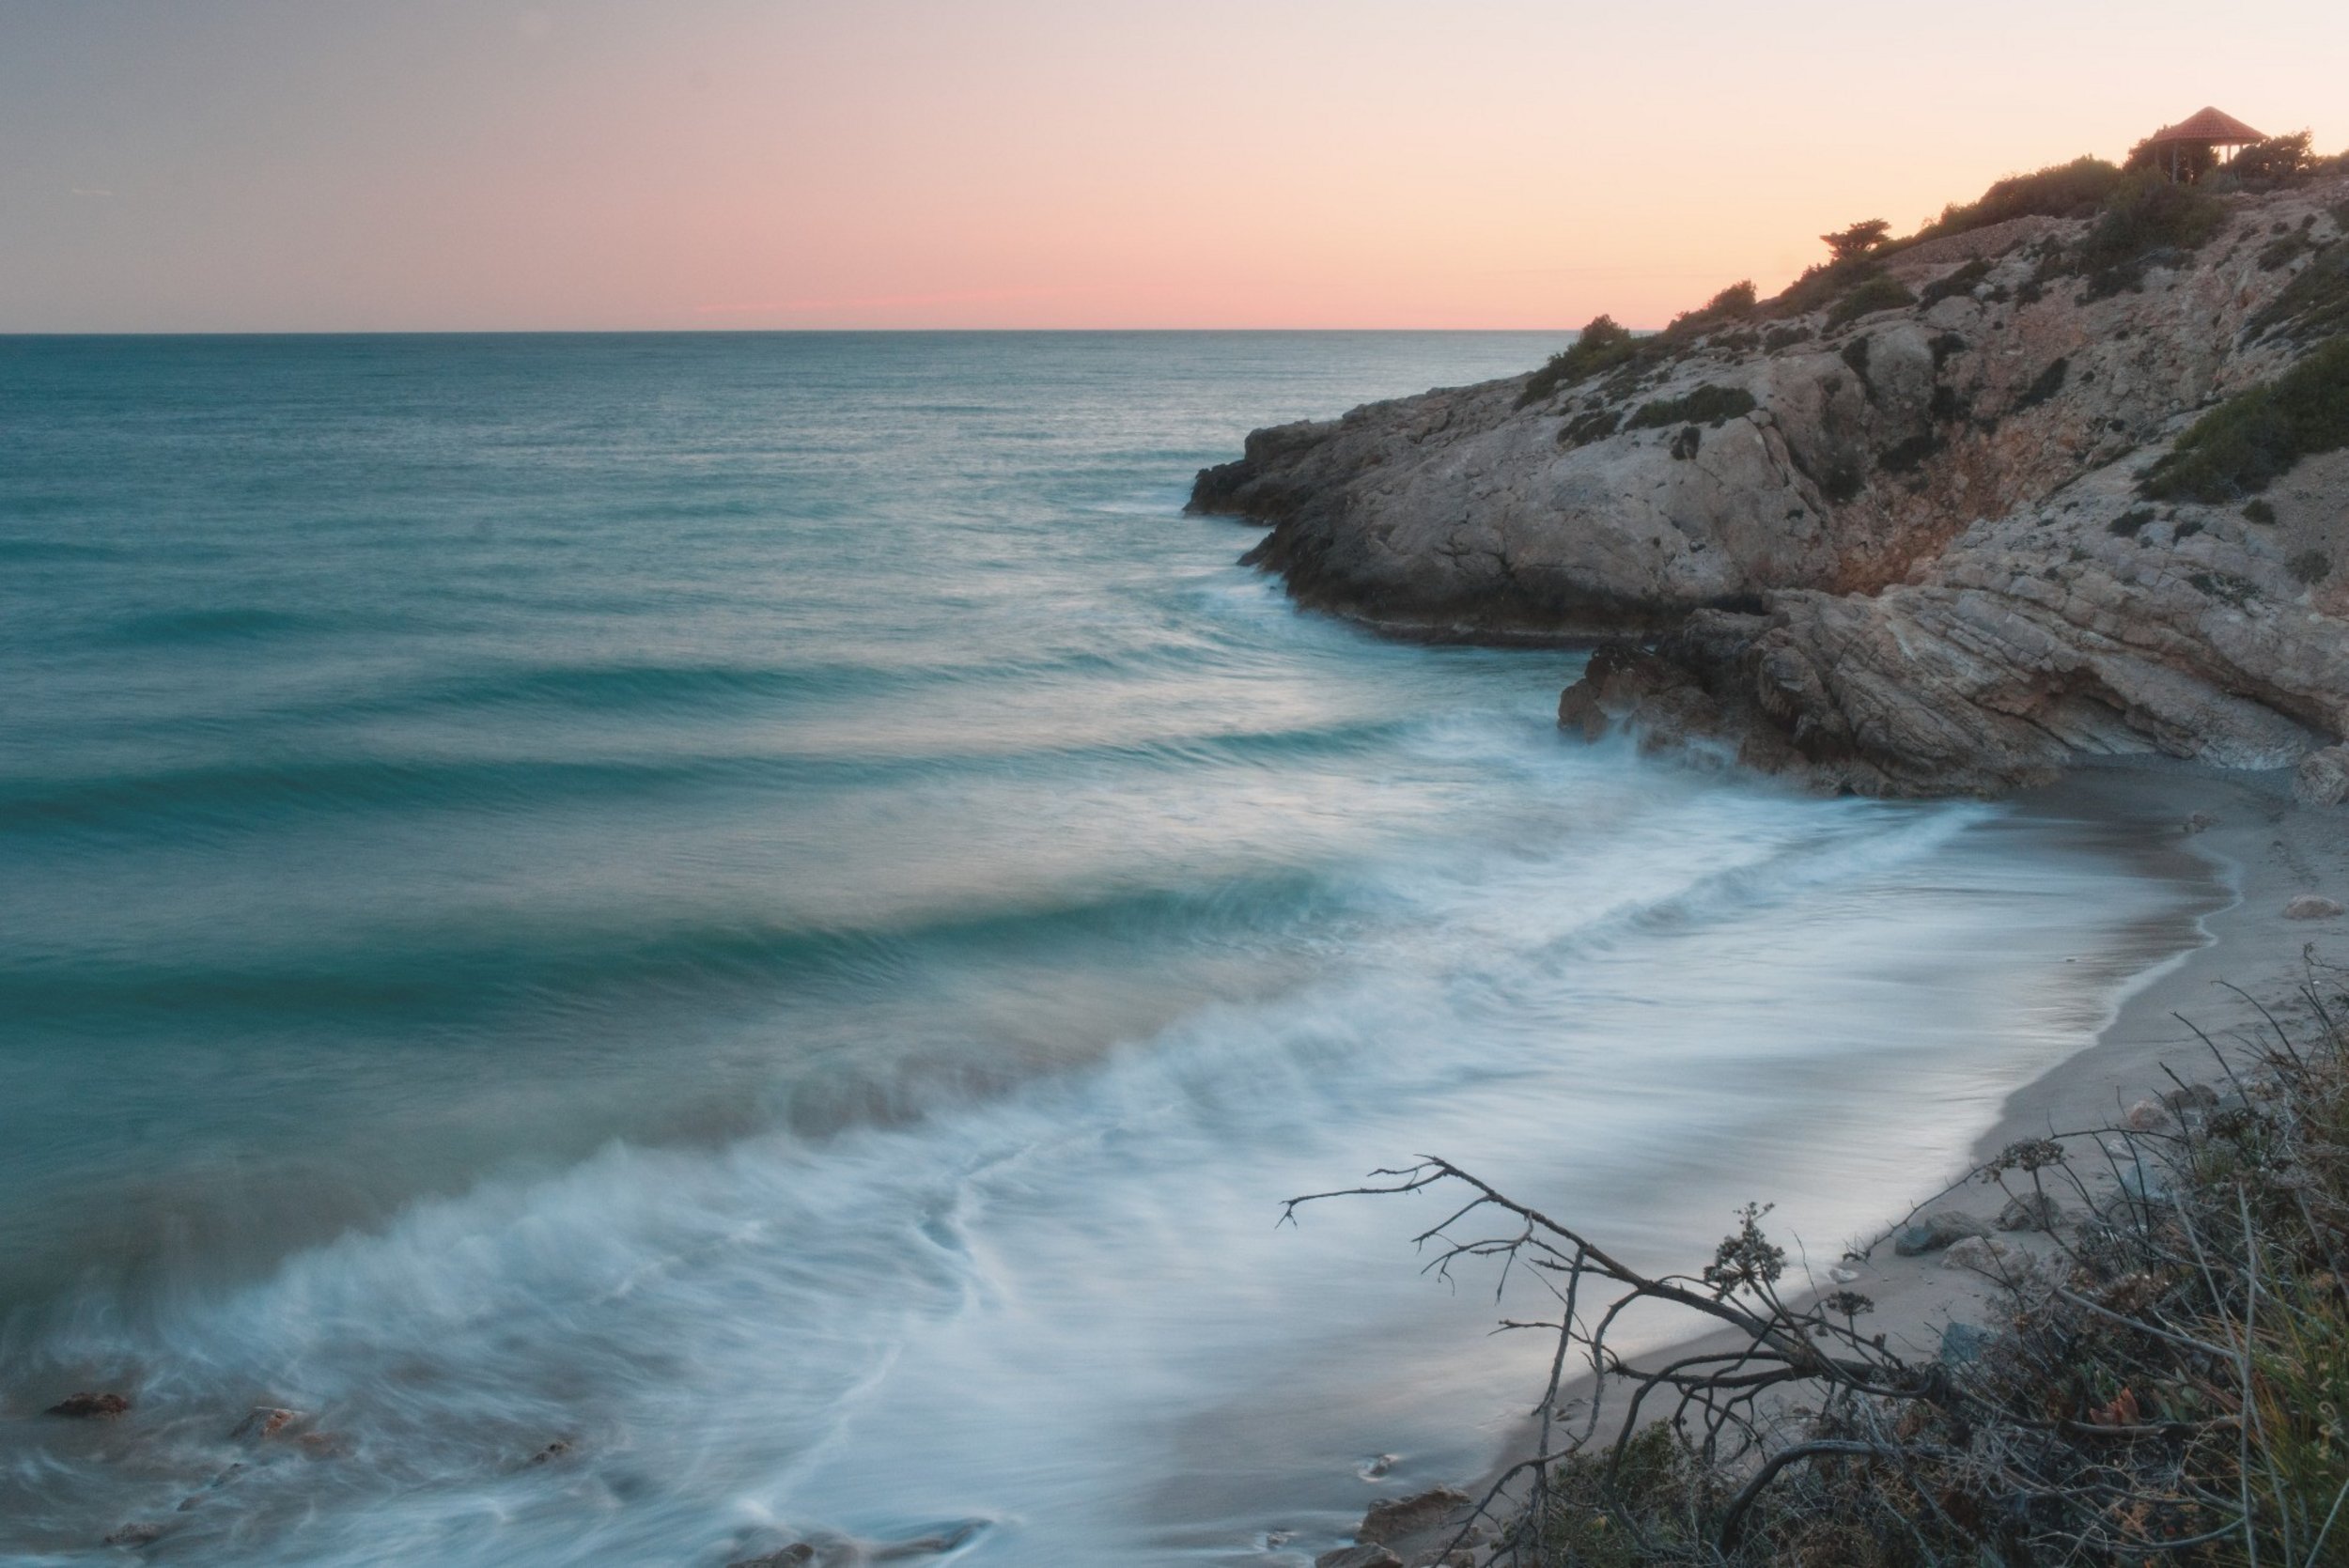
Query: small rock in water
[1379, 1464]
[1359, 1557]
[553, 1451]
[2030, 1211]
[1401, 1516]
[2200, 822]
[88, 1406]
[794, 1555]
[135, 1535]
[2309, 906]
[266, 1420]
[1934, 1232]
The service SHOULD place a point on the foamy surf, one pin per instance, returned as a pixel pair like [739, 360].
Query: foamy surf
[803, 1033]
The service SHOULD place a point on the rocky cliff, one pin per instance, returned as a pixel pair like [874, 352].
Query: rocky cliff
[1905, 530]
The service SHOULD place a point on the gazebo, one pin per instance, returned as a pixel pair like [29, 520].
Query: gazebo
[2206, 128]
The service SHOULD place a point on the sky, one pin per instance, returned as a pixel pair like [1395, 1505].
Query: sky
[178, 165]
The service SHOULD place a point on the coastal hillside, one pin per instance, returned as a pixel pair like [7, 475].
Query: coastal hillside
[2062, 475]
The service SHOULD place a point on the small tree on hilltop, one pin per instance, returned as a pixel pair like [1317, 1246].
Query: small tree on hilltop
[1857, 240]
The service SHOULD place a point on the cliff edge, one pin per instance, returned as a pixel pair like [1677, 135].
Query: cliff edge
[1942, 517]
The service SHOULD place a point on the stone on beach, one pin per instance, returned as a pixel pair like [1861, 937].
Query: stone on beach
[2323, 777]
[1359, 1557]
[1934, 1232]
[1396, 1517]
[1983, 1256]
[2030, 1211]
[2309, 906]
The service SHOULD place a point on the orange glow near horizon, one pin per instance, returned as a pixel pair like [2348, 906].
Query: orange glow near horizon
[726, 163]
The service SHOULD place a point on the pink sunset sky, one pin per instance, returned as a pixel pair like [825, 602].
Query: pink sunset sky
[309, 165]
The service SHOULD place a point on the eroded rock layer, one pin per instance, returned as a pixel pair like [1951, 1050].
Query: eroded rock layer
[1902, 553]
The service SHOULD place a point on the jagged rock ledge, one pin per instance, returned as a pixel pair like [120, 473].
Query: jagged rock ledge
[1898, 552]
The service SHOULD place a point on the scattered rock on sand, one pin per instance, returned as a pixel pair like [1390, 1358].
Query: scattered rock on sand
[1962, 1342]
[2200, 822]
[2030, 1211]
[89, 1407]
[1935, 1231]
[2323, 777]
[2144, 1116]
[1982, 1254]
[1396, 1517]
[2195, 1099]
[2309, 906]
[1359, 1557]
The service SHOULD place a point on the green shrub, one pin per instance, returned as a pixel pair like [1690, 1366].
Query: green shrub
[2073, 190]
[1881, 292]
[2309, 566]
[2313, 305]
[1733, 303]
[1706, 404]
[1850, 244]
[1597, 424]
[2130, 524]
[1820, 285]
[1599, 347]
[1784, 338]
[2255, 437]
[2259, 512]
[1960, 282]
[2277, 160]
[2145, 216]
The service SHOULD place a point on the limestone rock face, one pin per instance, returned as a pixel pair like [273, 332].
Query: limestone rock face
[1919, 564]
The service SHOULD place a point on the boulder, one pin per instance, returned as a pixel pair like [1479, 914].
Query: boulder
[1359, 1557]
[1963, 1343]
[1983, 1256]
[2030, 1211]
[2323, 777]
[2144, 1116]
[1934, 1232]
[90, 1406]
[2309, 906]
[1396, 1517]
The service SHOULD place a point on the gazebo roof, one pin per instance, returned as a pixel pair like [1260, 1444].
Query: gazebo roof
[2210, 128]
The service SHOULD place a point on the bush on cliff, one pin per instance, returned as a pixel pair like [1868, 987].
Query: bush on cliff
[2254, 438]
[2145, 216]
[1706, 404]
[1603, 345]
[1881, 292]
[2313, 305]
[2073, 190]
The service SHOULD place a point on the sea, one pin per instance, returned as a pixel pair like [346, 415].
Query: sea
[684, 943]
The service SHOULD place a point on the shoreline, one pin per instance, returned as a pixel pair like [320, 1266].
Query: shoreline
[2256, 850]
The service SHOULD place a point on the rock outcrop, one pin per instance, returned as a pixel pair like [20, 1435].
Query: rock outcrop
[1901, 553]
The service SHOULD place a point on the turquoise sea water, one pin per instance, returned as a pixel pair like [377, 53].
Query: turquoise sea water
[766, 909]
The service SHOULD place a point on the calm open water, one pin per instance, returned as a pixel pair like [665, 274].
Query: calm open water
[765, 907]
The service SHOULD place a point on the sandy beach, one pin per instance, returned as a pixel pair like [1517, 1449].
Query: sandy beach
[2239, 840]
